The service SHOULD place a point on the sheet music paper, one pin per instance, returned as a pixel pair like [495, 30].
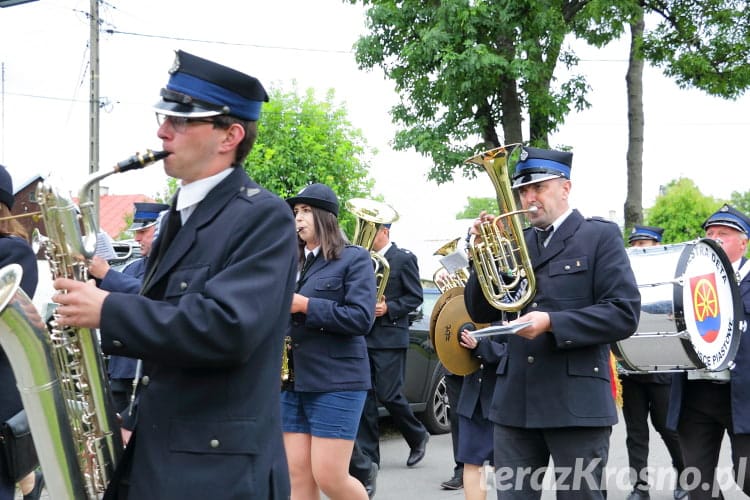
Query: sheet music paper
[499, 330]
[454, 262]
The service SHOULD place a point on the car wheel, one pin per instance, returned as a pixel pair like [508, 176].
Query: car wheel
[435, 416]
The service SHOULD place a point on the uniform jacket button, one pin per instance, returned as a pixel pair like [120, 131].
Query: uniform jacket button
[214, 443]
[145, 380]
[568, 342]
[534, 305]
[183, 286]
[567, 268]
[530, 359]
[596, 369]
[117, 343]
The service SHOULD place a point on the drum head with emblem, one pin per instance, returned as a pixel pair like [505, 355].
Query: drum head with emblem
[452, 320]
[441, 301]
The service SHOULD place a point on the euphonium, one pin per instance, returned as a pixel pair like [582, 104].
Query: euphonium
[61, 375]
[371, 217]
[453, 271]
[501, 259]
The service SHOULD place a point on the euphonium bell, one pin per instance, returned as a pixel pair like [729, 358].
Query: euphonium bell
[371, 217]
[501, 259]
[453, 271]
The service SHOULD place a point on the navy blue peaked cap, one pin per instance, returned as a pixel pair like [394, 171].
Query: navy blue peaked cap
[200, 88]
[6, 188]
[537, 165]
[146, 214]
[729, 216]
[645, 233]
[317, 195]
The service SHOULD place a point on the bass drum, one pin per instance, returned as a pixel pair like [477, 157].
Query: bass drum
[689, 295]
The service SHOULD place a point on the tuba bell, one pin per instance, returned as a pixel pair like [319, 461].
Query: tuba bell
[371, 217]
[501, 259]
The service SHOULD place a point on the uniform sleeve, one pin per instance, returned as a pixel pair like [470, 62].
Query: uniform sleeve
[18, 251]
[411, 298]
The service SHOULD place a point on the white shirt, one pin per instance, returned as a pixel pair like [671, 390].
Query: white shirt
[558, 222]
[191, 194]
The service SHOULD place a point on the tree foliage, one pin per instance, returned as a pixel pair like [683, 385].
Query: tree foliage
[681, 211]
[470, 71]
[741, 201]
[475, 205]
[302, 140]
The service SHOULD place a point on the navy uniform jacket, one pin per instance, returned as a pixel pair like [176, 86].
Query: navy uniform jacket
[403, 294]
[329, 352]
[14, 250]
[478, 388]
[127, 281]
[210, 328]
[585, 283]
[739, 378]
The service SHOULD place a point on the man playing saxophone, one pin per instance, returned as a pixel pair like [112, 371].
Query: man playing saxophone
[214, 306]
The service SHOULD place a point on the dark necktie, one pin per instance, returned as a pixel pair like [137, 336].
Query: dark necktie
[541, 237]
[305, 267]
[174, 223]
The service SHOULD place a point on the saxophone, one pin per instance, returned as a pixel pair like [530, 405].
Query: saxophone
[60, 373]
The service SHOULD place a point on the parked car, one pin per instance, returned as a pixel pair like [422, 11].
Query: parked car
[424, 385]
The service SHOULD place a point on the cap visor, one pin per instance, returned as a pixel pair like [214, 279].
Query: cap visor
[188, 110]
[524, 179]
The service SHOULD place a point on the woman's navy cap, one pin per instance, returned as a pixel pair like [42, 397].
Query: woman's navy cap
[317, 195]
[730, 217]
[200, 88]
[645, 233]
[6, 188]
[537, 165]
[146, 215]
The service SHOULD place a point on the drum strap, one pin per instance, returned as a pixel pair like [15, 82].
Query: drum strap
[743, 270]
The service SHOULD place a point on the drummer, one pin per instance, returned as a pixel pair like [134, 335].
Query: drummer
[702, 409]
[643, 395]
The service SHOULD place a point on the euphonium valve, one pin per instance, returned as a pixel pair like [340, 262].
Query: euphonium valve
[452, 272]
[501, 259]
[371, 217]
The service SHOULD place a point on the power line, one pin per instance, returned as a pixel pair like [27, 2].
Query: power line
[221, 42]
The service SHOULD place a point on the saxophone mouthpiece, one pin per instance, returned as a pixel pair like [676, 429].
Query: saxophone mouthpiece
[139, 160]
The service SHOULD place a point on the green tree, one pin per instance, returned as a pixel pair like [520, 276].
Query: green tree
[741, 201]
[302, 140]
[475, 205]
[681, 210]
[467, 70]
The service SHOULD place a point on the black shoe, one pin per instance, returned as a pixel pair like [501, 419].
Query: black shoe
[36, 492]
[372, 480]
[637, 494]
[454, 483]
[679, 493]
[417, 453]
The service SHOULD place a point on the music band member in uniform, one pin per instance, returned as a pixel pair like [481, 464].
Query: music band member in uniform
[643, 395]
[14, 249]
[121, 369]
[553, 397]
[387, 343]
[703, 409]
[332, 311]
[210, 319]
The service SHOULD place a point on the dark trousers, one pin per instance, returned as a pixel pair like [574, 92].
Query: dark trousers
[388, 370]
[360, 465]
[639, 400]
[522, 456]
[453, 385]
[705, 415]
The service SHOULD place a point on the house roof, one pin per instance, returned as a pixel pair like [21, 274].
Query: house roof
[114, 209]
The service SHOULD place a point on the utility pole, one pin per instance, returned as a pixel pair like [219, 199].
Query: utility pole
[94, 104]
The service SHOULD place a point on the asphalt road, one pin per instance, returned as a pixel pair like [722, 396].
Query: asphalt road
[398, 482]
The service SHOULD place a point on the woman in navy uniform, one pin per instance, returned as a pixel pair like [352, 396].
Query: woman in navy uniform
[702, 410]
[14, 249]
[210, 319]
[332, 311]
[553, 397]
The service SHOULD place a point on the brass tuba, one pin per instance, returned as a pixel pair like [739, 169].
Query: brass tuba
[501, 259]
[371, 217]
[60, 374]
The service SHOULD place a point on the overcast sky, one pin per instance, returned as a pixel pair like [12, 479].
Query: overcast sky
[44, 51]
